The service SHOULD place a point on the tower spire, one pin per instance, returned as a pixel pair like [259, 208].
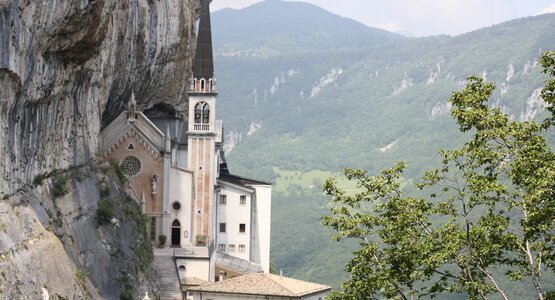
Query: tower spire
[204, 61]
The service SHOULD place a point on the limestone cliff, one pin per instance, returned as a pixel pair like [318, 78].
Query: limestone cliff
[53, 245]
[67, 67]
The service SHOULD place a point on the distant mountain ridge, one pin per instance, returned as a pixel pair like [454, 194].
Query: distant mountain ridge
[291, 27]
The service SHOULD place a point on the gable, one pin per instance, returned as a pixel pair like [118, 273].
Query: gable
[144, 131]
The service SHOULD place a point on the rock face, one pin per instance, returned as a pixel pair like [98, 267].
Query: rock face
[23, 270]
[55, 246]
[67, 68]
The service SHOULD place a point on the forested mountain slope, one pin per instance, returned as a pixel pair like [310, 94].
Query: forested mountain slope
[305, 93]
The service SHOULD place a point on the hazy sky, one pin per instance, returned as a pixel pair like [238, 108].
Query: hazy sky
[423, 17]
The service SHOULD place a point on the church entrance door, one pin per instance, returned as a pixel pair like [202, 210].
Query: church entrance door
[176, 234]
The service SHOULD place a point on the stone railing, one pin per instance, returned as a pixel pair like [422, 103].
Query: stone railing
[201, 127]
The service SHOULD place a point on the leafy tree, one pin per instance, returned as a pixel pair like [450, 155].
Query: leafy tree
[489, 215]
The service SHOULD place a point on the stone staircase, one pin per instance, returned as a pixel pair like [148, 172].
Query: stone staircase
[170, 288]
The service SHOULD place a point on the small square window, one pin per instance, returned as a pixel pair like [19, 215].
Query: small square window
[242, 228]
[222, 227]
[221, 247]
[223, 199]
[241, 248]
[231, 248]
[243, 199]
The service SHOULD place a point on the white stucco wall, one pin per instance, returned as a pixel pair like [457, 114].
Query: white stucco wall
[180, 187]
[261, 224]
[319, 296]
[198, 268]
[182, 156]
[233, 213]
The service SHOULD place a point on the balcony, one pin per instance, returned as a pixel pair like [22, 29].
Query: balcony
[201, 127]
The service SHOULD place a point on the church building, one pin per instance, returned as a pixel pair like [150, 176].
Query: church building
[216, 223]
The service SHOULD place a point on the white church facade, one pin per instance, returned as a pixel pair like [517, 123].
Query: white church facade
[216, 222]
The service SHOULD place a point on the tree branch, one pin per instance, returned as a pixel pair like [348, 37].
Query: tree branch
[494, 282]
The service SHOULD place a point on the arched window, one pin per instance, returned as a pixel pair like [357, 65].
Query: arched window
[202, 84]
[202, 113]
[210, 85]
[205, 114]
[198, 113]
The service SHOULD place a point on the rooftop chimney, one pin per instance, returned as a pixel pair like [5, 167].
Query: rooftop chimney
[221, 277]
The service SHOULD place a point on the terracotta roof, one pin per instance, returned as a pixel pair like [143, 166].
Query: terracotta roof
[193, 281]
[263, 284]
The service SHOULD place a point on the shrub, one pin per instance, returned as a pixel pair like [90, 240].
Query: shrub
[127, 293]
[104, 212]
[104, 191]
[118, 170]
[39, 179]
[81, 276]
[144, 254]
[59, 186]
[162, 239]
[77, 175]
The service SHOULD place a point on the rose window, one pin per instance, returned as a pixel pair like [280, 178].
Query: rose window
[131, 166]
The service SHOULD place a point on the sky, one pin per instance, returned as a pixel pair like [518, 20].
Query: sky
[423, 17]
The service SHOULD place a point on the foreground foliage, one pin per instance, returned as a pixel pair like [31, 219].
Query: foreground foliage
[490, 216]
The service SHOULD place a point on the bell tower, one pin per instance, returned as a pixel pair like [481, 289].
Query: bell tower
[202, 129]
